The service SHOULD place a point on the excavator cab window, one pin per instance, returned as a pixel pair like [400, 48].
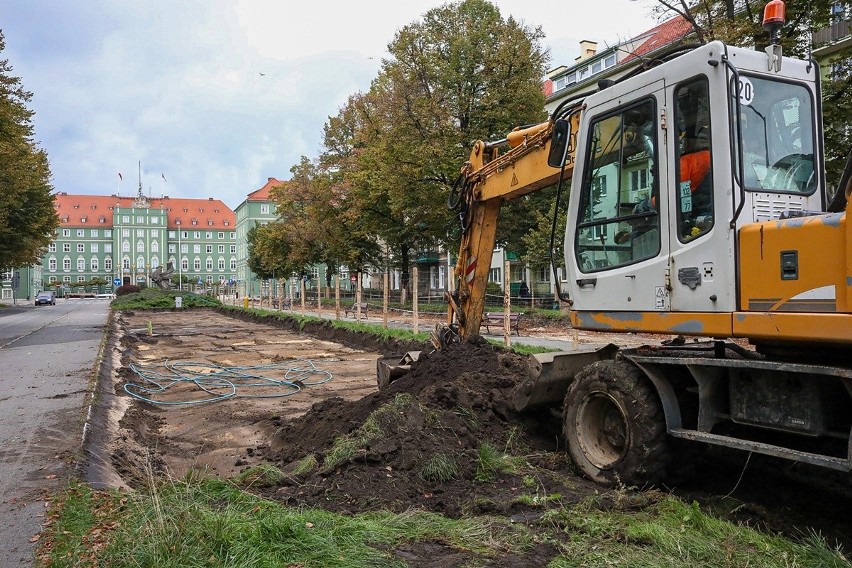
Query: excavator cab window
[776, 118]
[694, 172]
[619, 222]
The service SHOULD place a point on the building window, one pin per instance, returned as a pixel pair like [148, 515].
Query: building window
[125, 218]
[140, 264]
[81, 247]
[185, 234]
[233, 264]
[51, 264]
[125, 263]
[81, 264]
[184, 264]
[221, 249]
[66, 247]
[264, 209]
[196, 249]
[196, 264]
[233, 235]
[52, 279]
[155, 246]
[172, 234]
[108, 247]
[172, 249]
[140, 246]
[81, 233]
[66, 232]
[184, 249]
[51, 247]
[543, 273]
[108, 233]
[209, 264]
[221, 264]
[233, 249]
[155, 262]
[66, 279]
[196, 235]
[93, 233]
[93, 247]
[125, 246]
[140, 219]
[125, 232]
[221, 235]
[94, 265]
[609, 61]
[81, 279]
[495, 276]
[155, 220]
[108, 264]
[209, 235]
[140, 233]
[209, 249]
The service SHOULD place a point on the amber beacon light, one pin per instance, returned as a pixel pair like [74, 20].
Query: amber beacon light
[773, 19]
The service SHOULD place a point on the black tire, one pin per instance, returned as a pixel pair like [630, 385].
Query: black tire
[613, 422]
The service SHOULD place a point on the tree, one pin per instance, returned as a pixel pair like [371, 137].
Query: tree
[27, 216]
[460, 74]
[268, 251]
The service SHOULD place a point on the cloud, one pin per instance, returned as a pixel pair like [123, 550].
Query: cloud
[217, 95]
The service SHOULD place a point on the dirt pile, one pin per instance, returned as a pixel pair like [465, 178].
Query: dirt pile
[433, 439]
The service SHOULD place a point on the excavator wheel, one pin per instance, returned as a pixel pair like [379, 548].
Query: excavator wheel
[613, 422]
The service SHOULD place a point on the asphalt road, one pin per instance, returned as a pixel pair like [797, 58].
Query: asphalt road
[47, 354]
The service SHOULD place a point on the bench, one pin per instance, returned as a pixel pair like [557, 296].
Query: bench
[495, 319]
[353, 309]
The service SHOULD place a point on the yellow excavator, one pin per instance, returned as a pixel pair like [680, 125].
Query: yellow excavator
[698, 209]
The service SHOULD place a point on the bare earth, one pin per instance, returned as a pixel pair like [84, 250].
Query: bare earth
[462, 400]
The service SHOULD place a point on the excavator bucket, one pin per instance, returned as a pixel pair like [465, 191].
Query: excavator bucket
[550, 375]
[389, 369]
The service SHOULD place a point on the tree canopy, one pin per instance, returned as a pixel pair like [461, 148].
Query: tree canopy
[377, 193]
[27, 215]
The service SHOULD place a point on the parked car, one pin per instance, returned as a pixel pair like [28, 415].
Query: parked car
[45, 298]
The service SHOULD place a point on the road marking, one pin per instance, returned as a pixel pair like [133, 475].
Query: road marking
[32, 331]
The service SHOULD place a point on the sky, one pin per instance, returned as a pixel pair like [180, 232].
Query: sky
[210, 98]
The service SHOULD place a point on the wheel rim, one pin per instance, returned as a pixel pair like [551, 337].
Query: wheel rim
[602, 430]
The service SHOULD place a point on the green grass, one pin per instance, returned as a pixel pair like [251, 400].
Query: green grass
[491, 462]
[212, 523]
[345, 448]
[439, 468]
[672, 534]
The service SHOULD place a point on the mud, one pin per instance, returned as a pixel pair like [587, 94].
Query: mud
[428, 432]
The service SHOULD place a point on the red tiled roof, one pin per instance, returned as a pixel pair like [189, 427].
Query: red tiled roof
[93, 211]
[658, 37]
[262, 194]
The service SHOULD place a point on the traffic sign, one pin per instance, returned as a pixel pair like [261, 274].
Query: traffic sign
[116, 281]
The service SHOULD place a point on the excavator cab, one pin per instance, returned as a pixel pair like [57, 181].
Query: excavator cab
[696, 209]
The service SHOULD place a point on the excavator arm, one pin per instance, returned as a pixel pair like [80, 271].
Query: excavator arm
[489, 179]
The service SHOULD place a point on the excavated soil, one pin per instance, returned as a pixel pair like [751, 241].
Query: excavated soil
[433, 422]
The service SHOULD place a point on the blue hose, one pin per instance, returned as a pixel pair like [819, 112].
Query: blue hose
[194, 379]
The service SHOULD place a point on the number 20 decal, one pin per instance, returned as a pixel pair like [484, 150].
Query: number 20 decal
[746, 91]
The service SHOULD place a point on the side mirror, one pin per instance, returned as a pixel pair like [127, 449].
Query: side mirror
[559, 143]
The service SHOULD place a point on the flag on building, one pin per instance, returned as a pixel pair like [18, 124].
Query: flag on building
[164, 178]
[120, 176]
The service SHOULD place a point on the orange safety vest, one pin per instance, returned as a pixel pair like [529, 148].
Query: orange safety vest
[693, 167]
